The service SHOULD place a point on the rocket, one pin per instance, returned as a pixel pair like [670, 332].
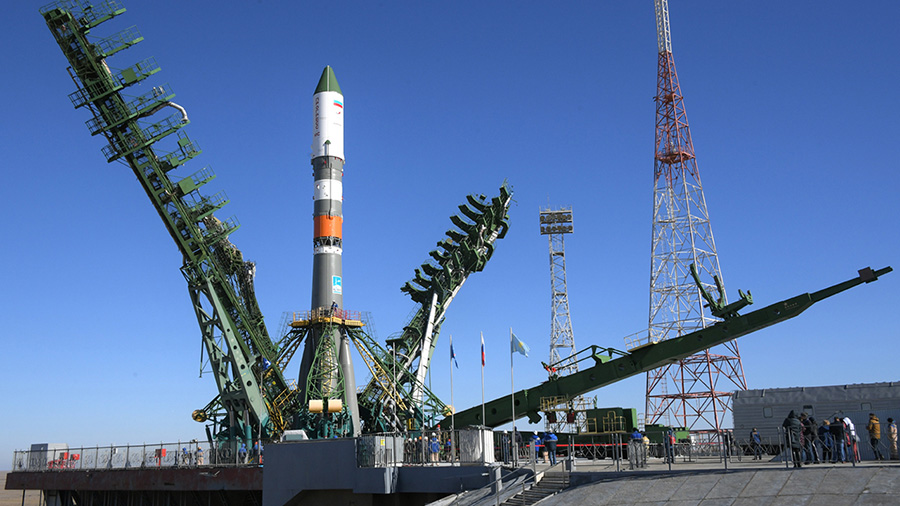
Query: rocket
[327, 282]
[328, 171]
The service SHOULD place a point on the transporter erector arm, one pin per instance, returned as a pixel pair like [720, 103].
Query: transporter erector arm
[612, 365]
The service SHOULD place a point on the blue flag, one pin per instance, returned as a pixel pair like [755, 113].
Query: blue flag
[518, 345]
[452, 354]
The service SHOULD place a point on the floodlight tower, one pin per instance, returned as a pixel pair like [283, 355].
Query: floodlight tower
[563, 414]
[682, 236]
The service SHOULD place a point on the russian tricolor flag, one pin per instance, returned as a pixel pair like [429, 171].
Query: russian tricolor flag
[482, 349]
[338, 103]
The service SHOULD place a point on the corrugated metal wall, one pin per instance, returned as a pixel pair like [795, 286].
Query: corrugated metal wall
[766, 409]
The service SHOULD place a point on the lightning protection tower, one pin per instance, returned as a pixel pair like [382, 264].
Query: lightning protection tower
[562, 413]
[698, 390]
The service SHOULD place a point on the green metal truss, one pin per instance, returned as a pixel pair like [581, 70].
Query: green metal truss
[220, 281]
[396, 397]
[325, 383]
[390, 405]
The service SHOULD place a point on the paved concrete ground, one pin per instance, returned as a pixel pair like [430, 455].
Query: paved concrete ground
[744, 483]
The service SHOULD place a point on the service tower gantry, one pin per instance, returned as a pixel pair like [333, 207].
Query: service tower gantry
[690, 388]
[563, 413]
[254, 398]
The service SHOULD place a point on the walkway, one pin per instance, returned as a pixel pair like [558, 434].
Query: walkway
[743, 484]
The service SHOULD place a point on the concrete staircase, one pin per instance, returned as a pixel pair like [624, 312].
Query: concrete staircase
[551, 484]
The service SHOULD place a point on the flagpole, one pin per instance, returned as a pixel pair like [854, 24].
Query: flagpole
[512, 400]
[483, 421]
[452, 408]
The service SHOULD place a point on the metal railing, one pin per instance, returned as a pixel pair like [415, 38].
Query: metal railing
[639, 339]
[159, 455]
[325, 312]
[428, 448]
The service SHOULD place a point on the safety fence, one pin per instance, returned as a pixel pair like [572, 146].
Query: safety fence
[60, 457]
[437, 447]
[624, 451]
[459, 447]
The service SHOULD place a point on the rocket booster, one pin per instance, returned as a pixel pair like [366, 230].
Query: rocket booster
[328, 196]
[328, 171]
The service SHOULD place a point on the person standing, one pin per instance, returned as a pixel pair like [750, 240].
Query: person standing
[434, 447]
[242, 454]
[535, 442]
[646, 446]
[727, 443]
[892, 438]
[198, 454]
[635, 445]
[794, 431]
[504, 447]
[839, 435]
[874, 428]
[670, 446]
[550, 441]
[852, 439]
[826, 441]
[810, 434]
[755, 444]
[519, 450]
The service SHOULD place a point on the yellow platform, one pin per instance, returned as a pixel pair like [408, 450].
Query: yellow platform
[334, 320]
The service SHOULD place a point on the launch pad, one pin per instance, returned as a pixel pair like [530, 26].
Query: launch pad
[368, 445]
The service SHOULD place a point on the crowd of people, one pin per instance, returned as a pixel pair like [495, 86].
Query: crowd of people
[834, 441]
[425, 450]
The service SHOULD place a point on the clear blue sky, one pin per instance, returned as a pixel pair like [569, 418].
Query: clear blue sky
[792, 105]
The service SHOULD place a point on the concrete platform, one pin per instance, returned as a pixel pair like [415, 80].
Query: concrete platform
[744, 483]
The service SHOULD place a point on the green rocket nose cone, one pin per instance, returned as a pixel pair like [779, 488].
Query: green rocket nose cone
[328, 82]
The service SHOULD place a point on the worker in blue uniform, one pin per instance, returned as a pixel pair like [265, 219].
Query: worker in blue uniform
[550, 441]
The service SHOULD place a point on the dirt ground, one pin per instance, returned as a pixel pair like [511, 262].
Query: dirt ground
[14, 497]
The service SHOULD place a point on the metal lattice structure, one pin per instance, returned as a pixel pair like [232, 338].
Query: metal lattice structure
[396, 397]
[255, 400]
[695, 390]
[154, 146]
[323, 412]
[562, 413]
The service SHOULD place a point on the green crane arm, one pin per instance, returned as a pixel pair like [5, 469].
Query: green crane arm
[608, 370]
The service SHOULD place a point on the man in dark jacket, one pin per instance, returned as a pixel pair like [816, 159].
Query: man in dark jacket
[756, 444]
[810, 434]
[826, 441]
[793, 430]
[838, 434]
[517, 438]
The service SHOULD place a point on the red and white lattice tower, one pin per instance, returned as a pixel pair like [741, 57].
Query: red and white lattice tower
[694, 391]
